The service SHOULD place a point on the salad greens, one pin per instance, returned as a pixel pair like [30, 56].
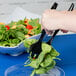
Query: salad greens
[46, 59]
[13, 33]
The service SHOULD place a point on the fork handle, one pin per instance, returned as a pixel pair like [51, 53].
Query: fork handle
[54, 6]
[42, 35]
[56, 31]
[71, 7]
[51, 39]
[43, 31]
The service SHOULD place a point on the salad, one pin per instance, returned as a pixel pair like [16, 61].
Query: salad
[46, 59]
[13, 33]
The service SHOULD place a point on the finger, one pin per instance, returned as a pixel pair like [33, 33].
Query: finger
[74, 12]
[42, 28]
[49, 31]
[63, 11]
[64, 31]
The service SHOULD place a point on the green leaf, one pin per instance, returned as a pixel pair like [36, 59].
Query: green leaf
[1, 37]
[33, 73]
[40, 58]
[34, 22]
[37, 30]
[20, 22]
[54, 53]
[51, 66]
[40, 70]
[46, 48]
[35, 63]
[47, 61]
[28, 42]
[20, 35]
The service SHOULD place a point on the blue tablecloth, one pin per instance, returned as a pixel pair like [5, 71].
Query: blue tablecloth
[65, 44]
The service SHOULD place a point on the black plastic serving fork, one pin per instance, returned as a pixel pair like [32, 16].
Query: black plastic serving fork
[56, 31]
[36, 47]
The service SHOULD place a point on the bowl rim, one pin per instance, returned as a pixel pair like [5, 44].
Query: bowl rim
[32, 37]
[57, 67]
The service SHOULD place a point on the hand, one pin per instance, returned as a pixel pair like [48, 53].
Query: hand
[53, 20]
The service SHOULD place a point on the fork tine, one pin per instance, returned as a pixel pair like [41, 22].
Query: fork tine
[71, 7]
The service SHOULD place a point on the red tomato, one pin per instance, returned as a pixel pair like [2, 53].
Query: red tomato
[29, 27]
[33, 57]
[7, 26]
[25, 21]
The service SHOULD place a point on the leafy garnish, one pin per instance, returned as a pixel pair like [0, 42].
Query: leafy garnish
[45, 60]
[16, 31]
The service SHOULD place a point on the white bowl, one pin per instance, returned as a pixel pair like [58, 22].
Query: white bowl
[17, 50]
[20, 70]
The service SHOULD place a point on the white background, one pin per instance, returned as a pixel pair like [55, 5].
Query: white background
[36, 6]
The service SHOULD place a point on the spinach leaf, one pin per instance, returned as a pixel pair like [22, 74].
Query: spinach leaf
[54, 53]
[46, 48]
[46, 59]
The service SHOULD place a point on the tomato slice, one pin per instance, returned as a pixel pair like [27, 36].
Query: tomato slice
[7, 26]
[29, 27]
